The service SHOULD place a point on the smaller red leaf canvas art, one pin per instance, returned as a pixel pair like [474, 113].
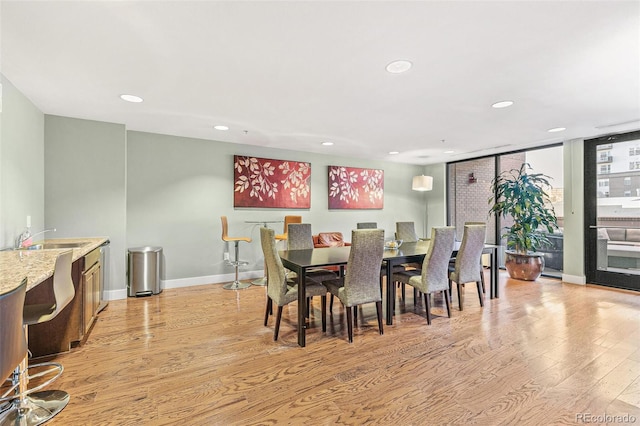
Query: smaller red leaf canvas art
[267, 183]
[355, 188]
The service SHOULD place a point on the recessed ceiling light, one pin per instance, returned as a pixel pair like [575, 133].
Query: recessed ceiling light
[394, 152]
[557, 129]
[327, 143]
[131, 98]
[397, 67]
[449, 152]
[502, 104]
[221, 127]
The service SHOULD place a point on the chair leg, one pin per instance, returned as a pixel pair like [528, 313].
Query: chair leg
[277, 329]
[349, 324]
[355, 316]
[482, 277]
[269, 310]
[379, 313]
[460, 305]
[331, 304]
[324, 314]
[447, 296]
[404, 295]
[480, 293]
[427, 305]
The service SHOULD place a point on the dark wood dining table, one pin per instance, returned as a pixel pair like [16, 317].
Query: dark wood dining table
[299, 261]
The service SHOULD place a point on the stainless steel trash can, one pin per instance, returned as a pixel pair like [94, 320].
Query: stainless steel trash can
[143, 271]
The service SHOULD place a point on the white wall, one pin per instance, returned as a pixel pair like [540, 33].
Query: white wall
[21, 165]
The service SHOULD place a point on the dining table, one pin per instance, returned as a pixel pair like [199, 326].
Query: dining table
[299, 261]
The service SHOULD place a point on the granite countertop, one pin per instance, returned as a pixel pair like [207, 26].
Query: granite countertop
[38, 265]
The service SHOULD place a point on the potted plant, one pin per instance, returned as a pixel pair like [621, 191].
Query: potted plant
[523, 196]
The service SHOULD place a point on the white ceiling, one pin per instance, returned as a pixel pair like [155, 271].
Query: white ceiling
[294, 74]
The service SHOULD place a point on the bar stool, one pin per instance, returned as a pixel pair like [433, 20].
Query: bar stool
[14, 344]
[236, 284]
[32, 406]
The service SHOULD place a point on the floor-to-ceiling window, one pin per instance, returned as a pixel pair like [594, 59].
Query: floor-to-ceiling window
[612, 210]
[469, 190]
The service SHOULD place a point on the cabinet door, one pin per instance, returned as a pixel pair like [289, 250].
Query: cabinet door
[91, 279]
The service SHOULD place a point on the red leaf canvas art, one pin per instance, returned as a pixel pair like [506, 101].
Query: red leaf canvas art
[267, 183]
[355, 188]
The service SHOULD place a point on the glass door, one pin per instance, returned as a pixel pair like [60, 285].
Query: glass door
[612, 210]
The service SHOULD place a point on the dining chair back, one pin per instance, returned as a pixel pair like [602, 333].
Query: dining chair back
[299, 236]
[406, 231]
[435, 267]
[287, 221]
[367, 225]
[468, 258]
[278, 290]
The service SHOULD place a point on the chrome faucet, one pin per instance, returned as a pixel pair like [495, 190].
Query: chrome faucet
[26, 235]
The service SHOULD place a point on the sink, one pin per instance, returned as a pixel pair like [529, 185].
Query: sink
[47, 246]
[64, 245]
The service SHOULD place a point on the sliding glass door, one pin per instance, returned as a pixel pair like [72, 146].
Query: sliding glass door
[469, 190]
[612, 210]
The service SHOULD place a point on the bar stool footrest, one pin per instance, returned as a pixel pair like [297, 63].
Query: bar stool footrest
[236, 285]
[35, 409]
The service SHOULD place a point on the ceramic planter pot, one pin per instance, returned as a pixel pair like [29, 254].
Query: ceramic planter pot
[526, 267]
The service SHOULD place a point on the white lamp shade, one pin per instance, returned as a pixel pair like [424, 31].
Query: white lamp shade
[422, 183]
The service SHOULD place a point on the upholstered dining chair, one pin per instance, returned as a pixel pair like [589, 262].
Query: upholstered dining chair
[466, 268]
[287, 221]
[278, 290]
[453, 260]
[434, 274]
[360, 283]
[406, 231]
[300, 238]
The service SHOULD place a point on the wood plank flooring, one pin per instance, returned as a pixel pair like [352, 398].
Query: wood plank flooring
[544, 353]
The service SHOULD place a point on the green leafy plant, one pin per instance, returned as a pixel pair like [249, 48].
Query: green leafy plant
[522, 195]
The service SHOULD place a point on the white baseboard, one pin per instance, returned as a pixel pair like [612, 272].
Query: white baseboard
[574, 279]
[116, 294]
[120, 294]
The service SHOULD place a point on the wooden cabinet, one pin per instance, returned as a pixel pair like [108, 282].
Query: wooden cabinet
[74, 322]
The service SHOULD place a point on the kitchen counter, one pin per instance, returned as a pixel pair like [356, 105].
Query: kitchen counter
[38, 265]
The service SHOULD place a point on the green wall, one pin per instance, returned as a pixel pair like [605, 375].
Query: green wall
[21, 165]
[177, 189]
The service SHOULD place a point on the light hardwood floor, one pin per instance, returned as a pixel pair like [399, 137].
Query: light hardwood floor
[544, 353]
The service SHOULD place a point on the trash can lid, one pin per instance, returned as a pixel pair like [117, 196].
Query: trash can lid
[145, 249]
